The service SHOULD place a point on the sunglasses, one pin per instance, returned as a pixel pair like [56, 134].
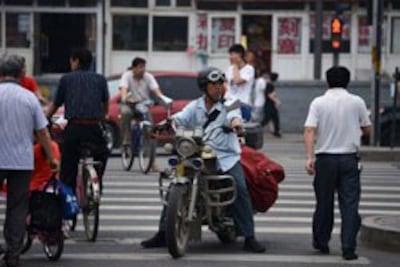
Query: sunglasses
[216, 76]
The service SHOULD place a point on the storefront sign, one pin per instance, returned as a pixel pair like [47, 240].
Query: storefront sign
[289, 35]
[201, 34]
[223, 34]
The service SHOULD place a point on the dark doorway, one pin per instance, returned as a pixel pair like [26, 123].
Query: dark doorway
[257, 30]
[58, 34]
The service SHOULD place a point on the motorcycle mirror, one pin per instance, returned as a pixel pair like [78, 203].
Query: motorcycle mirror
[231, 104]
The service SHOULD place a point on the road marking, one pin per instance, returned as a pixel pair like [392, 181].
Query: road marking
[206, 257]
[281, 186]
[279, 201]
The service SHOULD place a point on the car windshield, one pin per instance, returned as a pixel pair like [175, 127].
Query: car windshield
[179, 87]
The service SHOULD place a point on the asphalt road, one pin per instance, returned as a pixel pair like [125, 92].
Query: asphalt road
[130, 208]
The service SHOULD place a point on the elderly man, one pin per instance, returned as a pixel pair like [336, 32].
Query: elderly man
[20, 115]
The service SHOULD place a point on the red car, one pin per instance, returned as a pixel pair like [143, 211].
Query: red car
[180, 86]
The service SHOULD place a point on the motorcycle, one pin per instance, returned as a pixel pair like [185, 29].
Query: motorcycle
[195, 192]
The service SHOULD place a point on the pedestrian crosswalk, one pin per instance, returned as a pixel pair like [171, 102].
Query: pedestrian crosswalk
[130, 208]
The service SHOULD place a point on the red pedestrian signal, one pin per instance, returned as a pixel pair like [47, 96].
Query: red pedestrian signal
[336, 34]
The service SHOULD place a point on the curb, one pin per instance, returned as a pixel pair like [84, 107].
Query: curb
[381, 232]
[380, 155]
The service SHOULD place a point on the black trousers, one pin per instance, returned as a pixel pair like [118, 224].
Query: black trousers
[271, 113]
[17, 208]
[74, 136]
[335, 172]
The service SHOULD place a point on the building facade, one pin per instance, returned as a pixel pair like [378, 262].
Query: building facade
[189, 34]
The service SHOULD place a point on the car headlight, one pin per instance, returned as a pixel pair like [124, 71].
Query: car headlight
[186, 147]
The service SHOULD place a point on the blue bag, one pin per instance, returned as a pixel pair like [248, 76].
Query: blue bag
[70, 203]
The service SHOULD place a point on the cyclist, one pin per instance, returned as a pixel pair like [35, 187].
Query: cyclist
[85, 97]
[136, 85]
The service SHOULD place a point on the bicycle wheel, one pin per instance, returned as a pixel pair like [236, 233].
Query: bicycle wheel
[127, 157]
[147, 150]
[90, 213]
[54, 246]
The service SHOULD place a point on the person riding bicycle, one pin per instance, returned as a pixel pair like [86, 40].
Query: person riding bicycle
[85, 97]
[136, 85]
[225, 145]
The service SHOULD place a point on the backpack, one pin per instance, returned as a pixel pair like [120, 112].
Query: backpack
[45, 208]
[262, 178]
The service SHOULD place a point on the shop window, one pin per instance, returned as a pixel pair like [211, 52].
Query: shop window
[130, 3]
[51, 2]
[1, 33]
[163, 2]
[271, 5]
[395, 47]
[18, 2]
[17, 30]
[326, 33]
[130, 32]
[396, 4]
[289, 35]
[207, 5]
[222, 34]
[83, 2]
[365, 34]
[182, 3]
[170, 33]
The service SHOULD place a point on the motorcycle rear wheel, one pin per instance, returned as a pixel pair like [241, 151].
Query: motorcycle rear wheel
[178, 228]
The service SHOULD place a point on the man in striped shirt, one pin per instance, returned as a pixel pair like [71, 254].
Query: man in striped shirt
[20, 115]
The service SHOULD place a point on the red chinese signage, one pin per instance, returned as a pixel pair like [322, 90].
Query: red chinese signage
[201, 36]
[289, 35]
[223, 34]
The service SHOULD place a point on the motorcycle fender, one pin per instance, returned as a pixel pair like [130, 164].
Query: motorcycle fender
[180, 180]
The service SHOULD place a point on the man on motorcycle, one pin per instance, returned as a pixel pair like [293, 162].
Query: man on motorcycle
[225, 145]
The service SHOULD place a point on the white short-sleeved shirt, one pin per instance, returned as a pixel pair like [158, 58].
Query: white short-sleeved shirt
[139, 89]
[240, 91]
[20, 115]
[338, 117]
[259, 92]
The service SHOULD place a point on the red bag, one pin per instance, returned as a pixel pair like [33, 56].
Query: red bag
[262, 178]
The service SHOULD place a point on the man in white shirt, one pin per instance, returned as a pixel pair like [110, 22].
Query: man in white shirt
[240, 79]
[136, 85]
[337, 120]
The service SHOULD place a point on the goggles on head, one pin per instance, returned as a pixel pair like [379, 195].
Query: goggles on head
[216, 76]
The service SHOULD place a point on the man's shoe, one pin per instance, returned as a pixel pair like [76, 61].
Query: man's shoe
[278, 135]
[252, 245]
[349, 255]
[324, 249]
[11, 261]
[157, 241]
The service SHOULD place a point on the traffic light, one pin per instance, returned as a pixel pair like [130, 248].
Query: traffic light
[336, 34]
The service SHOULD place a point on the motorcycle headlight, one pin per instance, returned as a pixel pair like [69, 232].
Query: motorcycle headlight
[186, 147]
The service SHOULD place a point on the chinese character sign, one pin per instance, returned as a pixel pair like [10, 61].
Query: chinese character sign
[201, 35]
[365, 35]
[289, 35]
[223, 34]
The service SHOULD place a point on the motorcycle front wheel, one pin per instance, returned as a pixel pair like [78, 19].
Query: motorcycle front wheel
[178, 228]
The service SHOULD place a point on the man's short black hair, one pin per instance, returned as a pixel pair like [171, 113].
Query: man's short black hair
[237, 48]
[273, 76]
[137, 61]
[338, 76]
[84, 56]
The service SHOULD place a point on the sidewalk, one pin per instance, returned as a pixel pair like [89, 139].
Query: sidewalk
[381, 232]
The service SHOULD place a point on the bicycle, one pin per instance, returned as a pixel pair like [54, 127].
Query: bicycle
[88, 192]
[143, 145]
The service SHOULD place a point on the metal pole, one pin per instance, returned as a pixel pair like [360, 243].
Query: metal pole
[395, 95]
[335, 58]
[318, 39]
[376, 60]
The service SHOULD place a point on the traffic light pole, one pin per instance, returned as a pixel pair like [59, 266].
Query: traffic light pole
[335, 59]
[376, 62]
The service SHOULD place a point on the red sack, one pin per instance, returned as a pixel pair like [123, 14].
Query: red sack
[262, 178]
